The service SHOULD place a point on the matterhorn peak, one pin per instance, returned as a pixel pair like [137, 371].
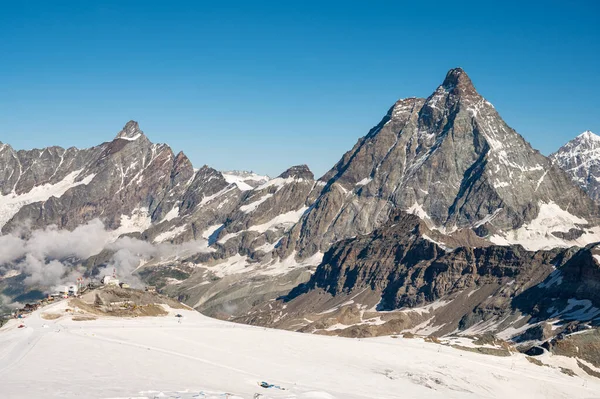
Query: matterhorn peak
[459, 82]
[456, 76]
[131, 131]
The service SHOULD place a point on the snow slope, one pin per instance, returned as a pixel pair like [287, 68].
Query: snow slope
[205, 358]
[244, 180]
[537, 234]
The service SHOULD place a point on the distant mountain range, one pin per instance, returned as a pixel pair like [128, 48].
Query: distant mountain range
[441, 207]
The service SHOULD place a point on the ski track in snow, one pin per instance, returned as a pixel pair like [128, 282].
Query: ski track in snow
[120, 358]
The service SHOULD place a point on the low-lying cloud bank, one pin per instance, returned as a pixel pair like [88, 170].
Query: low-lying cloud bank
[50, 257]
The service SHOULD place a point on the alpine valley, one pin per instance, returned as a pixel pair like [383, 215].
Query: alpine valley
[441, 221]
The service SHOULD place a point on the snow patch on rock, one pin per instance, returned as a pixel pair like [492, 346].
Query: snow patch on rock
[11, 203]
[418, 210]
[138, 221]
[253, 205]
[285, 220]
[241, 179]
[169, 235]
[172, 214]
[537, 234]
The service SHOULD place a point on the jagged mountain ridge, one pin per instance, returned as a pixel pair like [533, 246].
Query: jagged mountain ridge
[580, 158]
[142, 189]
[453, 161]
[448, 159]
[128, 177]
[116, 178]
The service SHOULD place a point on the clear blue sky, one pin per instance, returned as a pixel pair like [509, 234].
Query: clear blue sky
[264, 85]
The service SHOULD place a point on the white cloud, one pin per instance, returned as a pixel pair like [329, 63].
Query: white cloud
[50, 256]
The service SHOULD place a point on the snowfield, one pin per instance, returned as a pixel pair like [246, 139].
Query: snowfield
[158, 357]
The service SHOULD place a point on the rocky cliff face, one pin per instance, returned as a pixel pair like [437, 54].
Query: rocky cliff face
[580, 159]
[405, 277]
[411, 268]
[267, 212]
[115, 180]
[453, 161]
[232, 222]
[449, 159]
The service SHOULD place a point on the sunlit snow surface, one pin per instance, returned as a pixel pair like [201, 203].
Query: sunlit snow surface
[537, 234]
[240, 178]
[206, 358]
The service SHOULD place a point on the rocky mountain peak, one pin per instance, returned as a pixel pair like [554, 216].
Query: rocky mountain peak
[181, 157]
[585, 141]
[452, 161]
[457, 78]
[580, 159]
[454, 94]
[131, 131]
[589, 135]
[298, 172]
[182, 162]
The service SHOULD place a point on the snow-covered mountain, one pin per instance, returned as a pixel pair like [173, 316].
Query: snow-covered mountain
[231, 243]
[244, 179]
[449, 159]
[453, 161]
[195, 223]
[580, 158]
[116, 180]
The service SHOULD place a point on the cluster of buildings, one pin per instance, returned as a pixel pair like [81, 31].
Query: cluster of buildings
[71, 290]
[28, 308]
[113, 281]
[66, 291]
[61, 292]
